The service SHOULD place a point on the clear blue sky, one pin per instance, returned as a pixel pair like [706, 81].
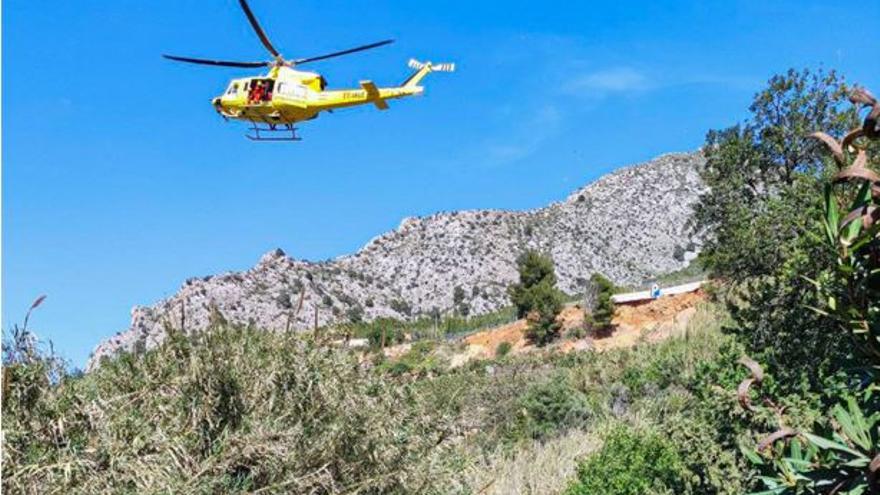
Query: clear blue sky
[120, 181]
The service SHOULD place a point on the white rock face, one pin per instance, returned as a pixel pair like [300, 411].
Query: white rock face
[629, 225]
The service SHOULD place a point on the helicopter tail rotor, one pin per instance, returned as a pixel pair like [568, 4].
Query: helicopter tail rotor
[422, 69]
[415, 64]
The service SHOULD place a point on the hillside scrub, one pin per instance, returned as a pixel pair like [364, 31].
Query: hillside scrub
[432, 327]
[232, 410]
[631, 462]
[239, 410]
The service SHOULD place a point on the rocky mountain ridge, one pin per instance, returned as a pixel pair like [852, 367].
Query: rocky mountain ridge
[629, 225]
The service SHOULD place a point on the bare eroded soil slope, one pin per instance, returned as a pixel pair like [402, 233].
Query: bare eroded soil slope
[649, 321]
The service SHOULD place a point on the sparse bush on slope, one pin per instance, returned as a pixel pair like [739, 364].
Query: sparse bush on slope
[503, 349]
[547, 408]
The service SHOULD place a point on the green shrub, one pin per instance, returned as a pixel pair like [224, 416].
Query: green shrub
[631, 462]
[387, 331]
[420, 359]
[550, 407]
[503, 349]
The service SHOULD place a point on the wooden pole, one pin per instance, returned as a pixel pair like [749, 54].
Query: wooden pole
[316, 322]
[183, 315]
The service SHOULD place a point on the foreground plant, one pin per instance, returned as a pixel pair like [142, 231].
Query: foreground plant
[844, 457]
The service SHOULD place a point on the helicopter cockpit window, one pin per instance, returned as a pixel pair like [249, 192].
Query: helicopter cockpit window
[233, 89]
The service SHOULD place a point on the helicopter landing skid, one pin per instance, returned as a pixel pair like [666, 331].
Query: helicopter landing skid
[287, 132]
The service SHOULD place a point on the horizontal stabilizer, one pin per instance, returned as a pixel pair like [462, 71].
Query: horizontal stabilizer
[374, 95]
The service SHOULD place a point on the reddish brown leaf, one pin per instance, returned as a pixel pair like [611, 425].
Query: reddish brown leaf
[754, 367]
[773, 437]
[850, 137]
[857, 170]
[862, 96]
[832, 145]
[742, 394]
[742, 391]
[866, 213]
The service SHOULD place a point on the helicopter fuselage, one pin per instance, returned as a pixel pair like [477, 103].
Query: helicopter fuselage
[277, 100]
[286, 96]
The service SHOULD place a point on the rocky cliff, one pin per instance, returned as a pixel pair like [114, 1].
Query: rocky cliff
[629, 225]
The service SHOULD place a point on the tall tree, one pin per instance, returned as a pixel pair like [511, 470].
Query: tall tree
[762, 169]
[765, 192]
[536, 296]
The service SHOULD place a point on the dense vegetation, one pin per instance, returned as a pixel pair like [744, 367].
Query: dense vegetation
[771, 388]
[794, 233]
[766, 177]
[239, 410]
[842, 455]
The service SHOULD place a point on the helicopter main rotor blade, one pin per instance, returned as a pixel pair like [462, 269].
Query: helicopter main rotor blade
[258, 29]
[343, 52]
[220, 63]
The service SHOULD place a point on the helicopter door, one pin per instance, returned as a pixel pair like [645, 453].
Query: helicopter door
[260, 91]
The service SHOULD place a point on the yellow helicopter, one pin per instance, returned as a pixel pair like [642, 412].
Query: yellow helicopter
[274, 102]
